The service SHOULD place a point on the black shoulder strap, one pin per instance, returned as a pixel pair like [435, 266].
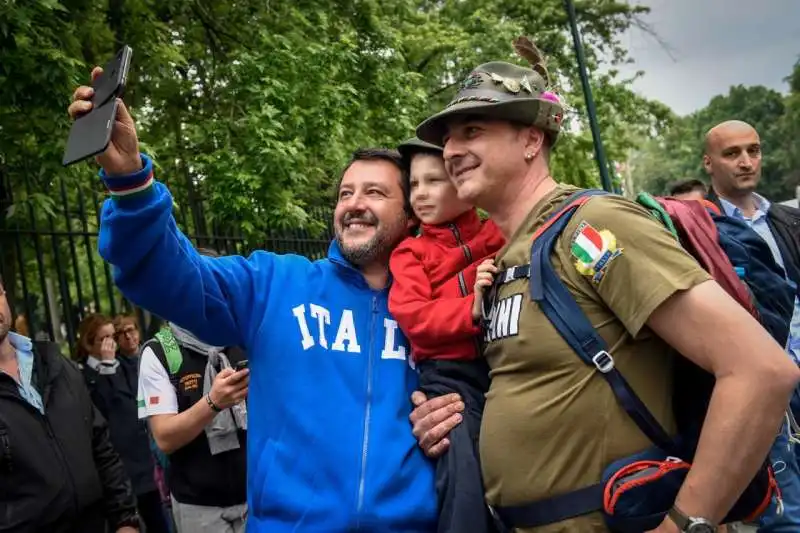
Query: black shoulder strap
[161, 355]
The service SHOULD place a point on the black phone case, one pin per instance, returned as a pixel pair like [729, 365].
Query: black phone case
[91, 133]
[111, 83]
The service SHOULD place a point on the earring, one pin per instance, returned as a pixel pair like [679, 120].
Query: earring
[529, 156]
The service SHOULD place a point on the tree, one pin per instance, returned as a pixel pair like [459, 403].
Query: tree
[259, 121]
[787, 153]
[250, 108]
[678, 152]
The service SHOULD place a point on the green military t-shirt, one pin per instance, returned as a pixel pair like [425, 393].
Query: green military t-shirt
[551, 423]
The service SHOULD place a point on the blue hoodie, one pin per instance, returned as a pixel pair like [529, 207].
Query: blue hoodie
[330, 447]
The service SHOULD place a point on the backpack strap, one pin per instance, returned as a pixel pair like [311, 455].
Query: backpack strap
[524, 271]
[167, 356]
[172, 352]
[657, 211]
[558, 305]
[565, 314]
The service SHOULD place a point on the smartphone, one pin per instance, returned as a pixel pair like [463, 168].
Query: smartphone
[240, 365]
[91, 133]
[111, 83]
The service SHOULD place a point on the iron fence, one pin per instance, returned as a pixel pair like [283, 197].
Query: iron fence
[54, 276]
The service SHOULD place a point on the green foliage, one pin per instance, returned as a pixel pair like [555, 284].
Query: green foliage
[254, 106]
[250, 108]
[787, 152]
[678, 151]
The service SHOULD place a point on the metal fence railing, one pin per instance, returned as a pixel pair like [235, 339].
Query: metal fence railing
[54, 276]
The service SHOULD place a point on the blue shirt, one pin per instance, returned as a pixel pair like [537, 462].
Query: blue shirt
[24, 349]
[759, 224]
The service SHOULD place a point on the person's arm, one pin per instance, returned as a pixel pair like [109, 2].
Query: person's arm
[159, 404]
[654, 283]
[155, 265]
[173, 432]
[426, 321]
[101, 386]
[754, 381]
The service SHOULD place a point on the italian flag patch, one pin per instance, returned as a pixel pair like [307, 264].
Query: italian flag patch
[594, 250]
[587, 246]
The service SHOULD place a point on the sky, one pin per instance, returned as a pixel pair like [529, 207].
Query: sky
[711, 46]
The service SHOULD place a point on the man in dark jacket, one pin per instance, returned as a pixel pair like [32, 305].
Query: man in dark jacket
[58, 470]
[732, 159]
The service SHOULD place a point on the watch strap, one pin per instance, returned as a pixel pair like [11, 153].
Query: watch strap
[681, 520]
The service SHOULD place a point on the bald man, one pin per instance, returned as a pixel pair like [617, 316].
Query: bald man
[733, 161]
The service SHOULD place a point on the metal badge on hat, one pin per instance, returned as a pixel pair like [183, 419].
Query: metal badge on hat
[526, 84]
[511, 85]
[471, 81]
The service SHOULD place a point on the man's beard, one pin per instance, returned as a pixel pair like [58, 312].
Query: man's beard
[380, 246]
[4, 329]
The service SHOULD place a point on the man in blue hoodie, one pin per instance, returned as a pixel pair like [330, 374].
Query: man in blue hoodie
[330, 447]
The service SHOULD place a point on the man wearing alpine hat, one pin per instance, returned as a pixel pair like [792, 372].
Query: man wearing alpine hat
[551, 423]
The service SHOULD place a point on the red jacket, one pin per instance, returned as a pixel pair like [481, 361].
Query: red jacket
[432, 291]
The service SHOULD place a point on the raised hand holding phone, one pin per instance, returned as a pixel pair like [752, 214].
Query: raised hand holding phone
[121, 156]
[113, 80]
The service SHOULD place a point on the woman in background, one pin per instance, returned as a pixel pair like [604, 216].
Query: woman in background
[112, 382]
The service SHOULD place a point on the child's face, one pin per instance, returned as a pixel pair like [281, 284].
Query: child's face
[433, 197]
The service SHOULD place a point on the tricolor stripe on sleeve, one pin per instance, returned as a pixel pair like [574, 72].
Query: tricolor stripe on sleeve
[133, 190]
[132, 185]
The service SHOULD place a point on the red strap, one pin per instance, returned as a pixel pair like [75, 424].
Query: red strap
[553, 219]
[712, 206]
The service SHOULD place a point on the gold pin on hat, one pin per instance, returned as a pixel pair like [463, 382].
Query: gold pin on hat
[511, 85]
[497, 78]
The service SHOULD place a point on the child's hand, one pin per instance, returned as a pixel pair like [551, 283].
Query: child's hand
[484, 279]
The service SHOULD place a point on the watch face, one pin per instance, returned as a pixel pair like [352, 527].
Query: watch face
[701, 527]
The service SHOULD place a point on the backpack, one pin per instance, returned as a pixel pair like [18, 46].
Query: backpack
[637, 492]
[765, 290]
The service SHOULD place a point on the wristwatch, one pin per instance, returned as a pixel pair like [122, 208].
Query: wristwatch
[691, 524]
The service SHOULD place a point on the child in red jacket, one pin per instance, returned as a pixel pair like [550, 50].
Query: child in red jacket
[433, 300]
